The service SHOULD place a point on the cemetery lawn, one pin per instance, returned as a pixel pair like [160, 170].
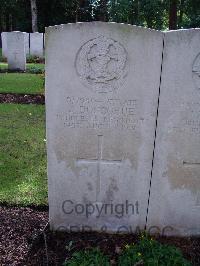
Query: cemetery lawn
[21, 83]
[31, 67]
[22, 155]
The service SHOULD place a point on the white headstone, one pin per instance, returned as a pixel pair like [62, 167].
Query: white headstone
[16, 55]
[102, 85]
[36, 44]
[44, 42]
[4, 44]
[175, 190]
[26, 43]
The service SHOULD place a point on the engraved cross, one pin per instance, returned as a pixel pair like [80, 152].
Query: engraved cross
[194, 164]
[98, 161]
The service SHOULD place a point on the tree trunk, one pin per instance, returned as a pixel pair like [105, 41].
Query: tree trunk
[34, 15]
[173, 15]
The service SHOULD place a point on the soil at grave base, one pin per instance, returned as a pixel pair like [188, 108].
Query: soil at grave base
[22, 98]
[111, 245]
[22, 241]
[18, 229]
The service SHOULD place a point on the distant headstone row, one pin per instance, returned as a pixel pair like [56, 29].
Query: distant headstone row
[123, 128]
[17, 46]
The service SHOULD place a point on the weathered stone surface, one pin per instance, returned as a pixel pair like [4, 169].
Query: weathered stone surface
[36, 44]
[102, 84]
[175, 191]
[16, 55]
[26, 39]
[4, 44]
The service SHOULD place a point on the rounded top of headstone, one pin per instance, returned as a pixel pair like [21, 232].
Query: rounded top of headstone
[101, 24]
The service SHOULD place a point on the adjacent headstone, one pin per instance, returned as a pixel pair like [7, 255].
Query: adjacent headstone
[16, 55]
[44, 42]
[175, 190]
[102, 86]
[4, 44]
[36, 44]
[26, 39]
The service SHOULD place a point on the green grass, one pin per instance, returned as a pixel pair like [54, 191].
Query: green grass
[23, 176]
[21, 83]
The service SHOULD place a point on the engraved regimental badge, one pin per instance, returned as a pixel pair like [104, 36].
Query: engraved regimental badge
[101, 64]
[196, 71]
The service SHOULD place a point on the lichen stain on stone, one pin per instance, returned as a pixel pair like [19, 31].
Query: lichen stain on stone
[112, 188]
[183, 177]
[64, 151]
[123, 146]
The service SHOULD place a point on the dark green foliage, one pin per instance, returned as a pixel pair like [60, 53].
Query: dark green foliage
[140, 12]
[16, 14]
[92, 257]
[149, 252]
[30, 68]
[34, 60]
[153, 13]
